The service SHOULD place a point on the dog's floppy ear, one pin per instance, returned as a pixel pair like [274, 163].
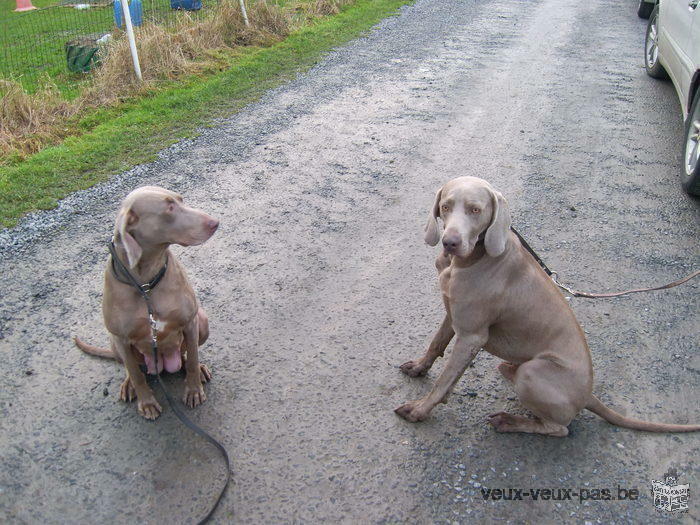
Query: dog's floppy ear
[497, 232]
[127, 218]
[432, 230]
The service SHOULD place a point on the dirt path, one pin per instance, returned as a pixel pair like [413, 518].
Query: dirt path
[318, 286]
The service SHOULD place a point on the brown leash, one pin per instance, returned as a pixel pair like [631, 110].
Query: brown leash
[589, 295]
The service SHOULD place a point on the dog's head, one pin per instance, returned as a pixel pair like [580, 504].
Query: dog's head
[468, 208]
[151, 216]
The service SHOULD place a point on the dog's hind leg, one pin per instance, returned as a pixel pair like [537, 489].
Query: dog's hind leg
[504, 422]
[508, 370]
[203, 326]
[548, 391]
[203, 335]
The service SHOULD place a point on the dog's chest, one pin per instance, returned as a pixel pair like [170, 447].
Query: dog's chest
[141, 328]
[460, 285]
[171, 315]
[169, 336]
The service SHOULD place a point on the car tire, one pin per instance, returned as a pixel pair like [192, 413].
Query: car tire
[651, 47]
[690, 161]
[644, 10]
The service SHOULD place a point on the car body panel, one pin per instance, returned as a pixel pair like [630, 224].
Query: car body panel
[679, 46]
[694, 46]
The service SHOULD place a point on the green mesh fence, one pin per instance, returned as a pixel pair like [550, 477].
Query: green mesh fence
[56, 40]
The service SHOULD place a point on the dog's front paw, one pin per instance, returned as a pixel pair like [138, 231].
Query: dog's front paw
[148, 407]
[414, 368]
[412, 411]
[194, 395]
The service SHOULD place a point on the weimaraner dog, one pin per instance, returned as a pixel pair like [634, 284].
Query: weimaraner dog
[498, 298]
[149, 221]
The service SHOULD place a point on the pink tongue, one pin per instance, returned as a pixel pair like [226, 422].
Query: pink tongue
[173, 362]
[151, 366]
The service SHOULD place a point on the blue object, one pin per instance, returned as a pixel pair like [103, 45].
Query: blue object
[135, 10]
[118, 13]
[187, 5]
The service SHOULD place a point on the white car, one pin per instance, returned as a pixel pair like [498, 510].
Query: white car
[672, 49]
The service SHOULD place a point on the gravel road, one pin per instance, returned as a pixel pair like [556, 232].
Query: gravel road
[318, 285]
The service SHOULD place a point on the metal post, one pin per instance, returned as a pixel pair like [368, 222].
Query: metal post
[132, 40]
[245, 14]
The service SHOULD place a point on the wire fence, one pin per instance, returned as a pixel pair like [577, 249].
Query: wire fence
[63, 41]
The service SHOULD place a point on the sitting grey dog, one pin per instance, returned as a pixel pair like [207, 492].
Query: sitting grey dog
[150, 220]
[498, 298]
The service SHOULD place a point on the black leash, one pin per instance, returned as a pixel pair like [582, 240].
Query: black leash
[144, 290]
[532, 252]
[589, 295]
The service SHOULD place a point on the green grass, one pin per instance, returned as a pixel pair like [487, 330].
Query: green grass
[32, 43]
[115, 139]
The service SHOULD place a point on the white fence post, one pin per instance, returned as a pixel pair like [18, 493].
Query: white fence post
[245, 14]
[132, 40]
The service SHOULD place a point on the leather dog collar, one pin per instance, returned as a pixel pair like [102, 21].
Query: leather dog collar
[121, 274]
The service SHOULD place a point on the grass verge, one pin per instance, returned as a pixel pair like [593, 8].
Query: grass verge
[116, 138]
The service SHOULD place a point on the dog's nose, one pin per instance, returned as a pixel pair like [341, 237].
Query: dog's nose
[212, 224]
[451, 241]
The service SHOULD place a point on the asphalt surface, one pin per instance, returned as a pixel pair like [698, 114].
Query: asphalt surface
[318, 285]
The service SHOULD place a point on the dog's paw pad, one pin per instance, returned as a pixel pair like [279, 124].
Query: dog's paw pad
[413, 368]
[410, 412]
[149, 409]
[194, 396]
[501, 421]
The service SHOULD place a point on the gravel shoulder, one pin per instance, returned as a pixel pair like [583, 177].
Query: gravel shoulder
[318, 285]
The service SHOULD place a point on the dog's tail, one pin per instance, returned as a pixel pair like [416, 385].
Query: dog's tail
[596, 406]
[95, 350]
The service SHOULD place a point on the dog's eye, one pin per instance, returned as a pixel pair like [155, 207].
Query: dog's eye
[445, 207]
[476, 210]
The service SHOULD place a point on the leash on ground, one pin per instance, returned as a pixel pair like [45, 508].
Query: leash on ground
[589, 295]
[144, 290]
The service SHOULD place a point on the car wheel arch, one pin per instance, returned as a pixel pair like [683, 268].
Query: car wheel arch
[694, 86]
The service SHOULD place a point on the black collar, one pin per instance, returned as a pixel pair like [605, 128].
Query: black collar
[122, 274]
